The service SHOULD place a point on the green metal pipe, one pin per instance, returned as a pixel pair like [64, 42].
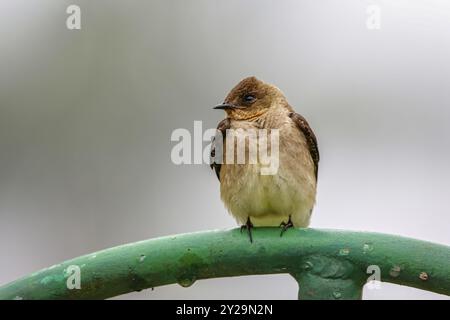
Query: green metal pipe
[328, 264]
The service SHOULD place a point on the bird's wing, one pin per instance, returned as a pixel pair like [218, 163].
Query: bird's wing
[222, 128]
[311, 139]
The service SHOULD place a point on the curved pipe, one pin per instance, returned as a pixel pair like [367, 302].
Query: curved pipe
[328, 264]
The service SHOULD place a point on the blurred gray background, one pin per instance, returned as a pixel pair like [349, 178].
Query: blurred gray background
[86, 118]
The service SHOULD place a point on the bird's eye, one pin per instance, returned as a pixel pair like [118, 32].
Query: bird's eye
[249, 98]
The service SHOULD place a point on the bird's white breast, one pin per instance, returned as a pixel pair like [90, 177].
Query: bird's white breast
[270, 199]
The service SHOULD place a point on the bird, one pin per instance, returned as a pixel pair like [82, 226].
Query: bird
[284, 199]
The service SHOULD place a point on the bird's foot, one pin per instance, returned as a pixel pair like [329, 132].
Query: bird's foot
[284, 226]
[248, 226]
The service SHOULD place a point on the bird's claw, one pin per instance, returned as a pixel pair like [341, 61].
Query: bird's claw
[286, 225]
[248, 226]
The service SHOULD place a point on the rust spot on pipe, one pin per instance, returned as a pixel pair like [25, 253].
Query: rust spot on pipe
[423, 276]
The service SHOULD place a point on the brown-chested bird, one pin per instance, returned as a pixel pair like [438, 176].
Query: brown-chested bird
[286, 198]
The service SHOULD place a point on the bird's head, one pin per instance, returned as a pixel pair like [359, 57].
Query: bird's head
[250, 99]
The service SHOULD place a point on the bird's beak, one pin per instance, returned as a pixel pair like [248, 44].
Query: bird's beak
[226, 106]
